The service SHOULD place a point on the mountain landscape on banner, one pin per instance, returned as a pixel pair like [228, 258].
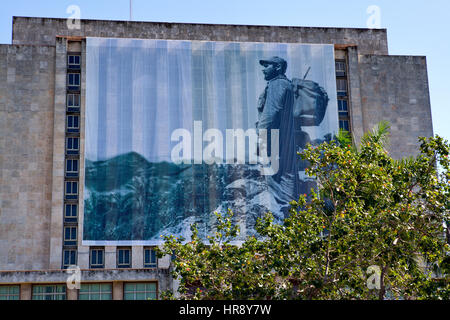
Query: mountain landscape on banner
[130, 198]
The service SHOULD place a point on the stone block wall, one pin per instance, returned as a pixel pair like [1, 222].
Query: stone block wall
[59, 128]
[395, 88]
[26, 149]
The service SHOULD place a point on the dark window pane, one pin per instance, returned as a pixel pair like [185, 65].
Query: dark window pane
[67, 234]
[66, 257]
[342, 105]
[344, 125]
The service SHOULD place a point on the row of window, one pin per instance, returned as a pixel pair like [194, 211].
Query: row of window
[72, 161]
[87, 291]
[97, 255]
[342, 93]
[344, 116]
[9, 292]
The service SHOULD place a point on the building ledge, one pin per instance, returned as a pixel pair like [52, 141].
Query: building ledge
[88, 275]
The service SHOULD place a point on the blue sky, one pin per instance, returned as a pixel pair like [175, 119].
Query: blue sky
[415, 27]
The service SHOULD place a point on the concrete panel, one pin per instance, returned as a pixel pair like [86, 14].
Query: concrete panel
[57, 212]
[137, 257]
[110, 257]
[26, 161]
[356, 112]
[395, 88]
[25, 291]
[117, 290]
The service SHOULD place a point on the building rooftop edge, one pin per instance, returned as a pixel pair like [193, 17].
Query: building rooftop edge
[382, 30]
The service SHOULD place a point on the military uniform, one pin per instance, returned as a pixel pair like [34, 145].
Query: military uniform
[275, 111]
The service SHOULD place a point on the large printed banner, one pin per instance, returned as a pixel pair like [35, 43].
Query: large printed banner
[178, 130]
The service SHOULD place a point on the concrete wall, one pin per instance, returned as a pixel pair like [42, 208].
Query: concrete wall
[59, 128]
[26, 155]
[395, 88]
[369, 41]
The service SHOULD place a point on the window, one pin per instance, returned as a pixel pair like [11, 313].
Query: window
[71, 167]
[70, 236]
[123, 257]
[73, 102]
[73, 61]
[69, 257]
[9, 292]
[70, 212]
[73, 81]
[95, 291]
[73, 145]
[49, 292]
[341, 85]
[150, 259]
[71, 190]
[344, 125]
[97, 258]
[73, 123]
[341, 68]
[139, 291]
[343, 108]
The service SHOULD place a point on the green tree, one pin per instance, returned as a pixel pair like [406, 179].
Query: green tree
[374, 228]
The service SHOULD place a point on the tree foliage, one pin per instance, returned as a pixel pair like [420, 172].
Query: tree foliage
[368, 212]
